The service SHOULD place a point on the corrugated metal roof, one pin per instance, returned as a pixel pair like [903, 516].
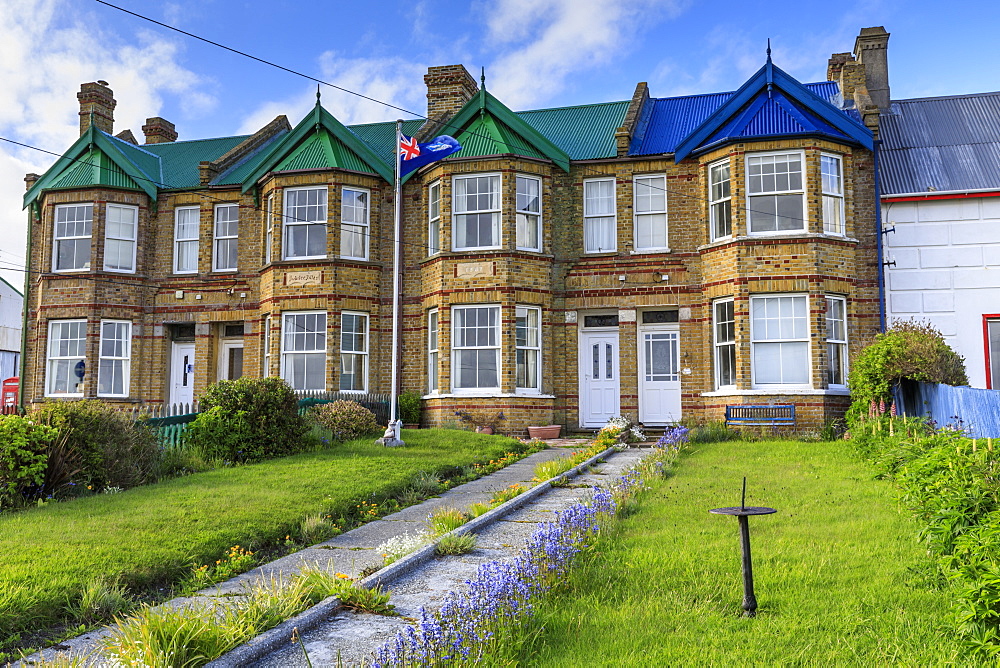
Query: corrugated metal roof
[381, 137]
[321, 151]
[179, 159]
[242, 169]
[94, 169]
[584, 132]
[488, 136]
[670, 119]
[941, 144]
[771, 115]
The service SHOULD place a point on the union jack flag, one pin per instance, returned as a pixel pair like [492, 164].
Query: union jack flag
[408, 147]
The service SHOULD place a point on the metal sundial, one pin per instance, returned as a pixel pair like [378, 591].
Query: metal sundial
[742, 512]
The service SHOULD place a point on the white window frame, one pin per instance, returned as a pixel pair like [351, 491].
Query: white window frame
[723, 345]
[457, 349]
[286, 353]
[53, 360]
[128, 241]
[226, 239]
[800, 192]
[88, 221]
[266, 343]
[528, 350]
[833, 194]
[363, 228]
[657, 187]
[836, 339]
[757, 341]
[592, 217]
[292, 221]
[360, 354]
[720, 199]
[269, 230]
[458, 212]
[122, 355]
[434, 218]
[184, 242]
[525, 217]
[433, 371]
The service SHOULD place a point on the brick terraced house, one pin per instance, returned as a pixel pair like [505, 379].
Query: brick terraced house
[659, 258]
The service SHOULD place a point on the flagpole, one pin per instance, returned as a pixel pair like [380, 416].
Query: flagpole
[396, 261]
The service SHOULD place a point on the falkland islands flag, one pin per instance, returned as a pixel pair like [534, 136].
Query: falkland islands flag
[413, 155]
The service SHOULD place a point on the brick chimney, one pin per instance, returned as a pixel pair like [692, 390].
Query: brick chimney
[871, 49]
[847, 72]
[97, 101]
[448, 88]
[159, 131]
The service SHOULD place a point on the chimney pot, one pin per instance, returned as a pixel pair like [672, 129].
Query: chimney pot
[97, 101]
[159, 131]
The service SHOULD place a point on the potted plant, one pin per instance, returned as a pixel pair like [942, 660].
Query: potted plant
[547, 432]
[409, 409]
[484, 421]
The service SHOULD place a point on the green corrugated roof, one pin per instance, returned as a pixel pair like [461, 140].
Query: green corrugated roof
[584, 132]
[179, 160]
[382, 136]
[321, 151]
[238, 173]
[94, 168]
[488, 136]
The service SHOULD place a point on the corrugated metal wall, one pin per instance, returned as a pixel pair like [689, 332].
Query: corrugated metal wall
[976, 410]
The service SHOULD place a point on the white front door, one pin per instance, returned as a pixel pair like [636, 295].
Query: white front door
[182, 373]
[659, 376]
[599, 387]
[230, 360]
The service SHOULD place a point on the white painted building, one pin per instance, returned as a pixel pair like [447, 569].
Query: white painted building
[11, 309]
[940, 178]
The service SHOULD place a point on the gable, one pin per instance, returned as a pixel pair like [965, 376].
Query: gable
[485, 135]
[322, 151]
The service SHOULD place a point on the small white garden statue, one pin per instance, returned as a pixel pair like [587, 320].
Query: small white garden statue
[390, 438]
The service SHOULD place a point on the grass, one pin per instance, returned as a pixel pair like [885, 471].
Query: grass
[148, 538]
[837, 572]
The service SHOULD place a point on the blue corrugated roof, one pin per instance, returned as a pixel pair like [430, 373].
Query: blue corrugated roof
[940, 144]
[669, 120]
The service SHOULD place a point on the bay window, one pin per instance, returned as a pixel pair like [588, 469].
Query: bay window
[432, 351]
[303, 350]
[779, 334]
[775, 196]
[475, 347]
[599, 217]
[226, 233]
[121, 223]
[836, 341]
[353, 352]
[650, 206]
[114, 363]
[528, 347]
[304, 223]
[65, 366]
[73, 225]
[354, 224]
[476, 214]
[434, 218]
[529, 210]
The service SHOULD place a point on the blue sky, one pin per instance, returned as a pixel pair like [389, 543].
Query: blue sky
[537, 53]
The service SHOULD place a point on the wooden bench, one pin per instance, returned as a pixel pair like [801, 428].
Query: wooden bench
[760, 416]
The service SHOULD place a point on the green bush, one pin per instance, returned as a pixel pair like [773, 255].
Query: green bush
[907, 350]
[346, 420]
[248, 420]
[409, 407]
[24, 455]
[112, 449]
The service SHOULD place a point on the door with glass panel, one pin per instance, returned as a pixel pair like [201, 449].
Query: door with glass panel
[182, 373]
[599, 380]
[659, 376]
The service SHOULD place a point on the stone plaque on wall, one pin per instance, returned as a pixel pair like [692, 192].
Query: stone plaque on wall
[570, 316]
[626, 315]
[473, 269]
[685, 312]
[300, 278]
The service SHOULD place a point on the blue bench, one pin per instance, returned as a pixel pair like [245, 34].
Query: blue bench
[760, 416]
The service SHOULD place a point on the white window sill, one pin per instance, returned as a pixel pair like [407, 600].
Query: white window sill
[648, 251]
[71, 271]
[64, 396]
[528, 250]
[112, 396]
[224, 271]
[777, 390]
[476, 248]
[601, 253]
[186, 273]
[119, 271]
[350, 257]
[775, 235]
[485, 395]
[303, 257]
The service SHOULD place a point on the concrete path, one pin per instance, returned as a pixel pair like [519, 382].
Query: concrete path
[346, 638]
[350, 553]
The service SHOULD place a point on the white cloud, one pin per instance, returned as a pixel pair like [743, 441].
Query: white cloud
[392, 80]
[549, 41]
[47, 49]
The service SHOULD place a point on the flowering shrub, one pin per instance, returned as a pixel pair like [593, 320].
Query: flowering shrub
[398, 547]
[345, 419]
[24, 455]
[470, 627]
[618, 431]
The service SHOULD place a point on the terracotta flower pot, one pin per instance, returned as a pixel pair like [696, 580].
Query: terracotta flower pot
[484, 430]
[547, 432]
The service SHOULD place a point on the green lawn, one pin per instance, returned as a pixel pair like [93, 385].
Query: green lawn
[836, 572]
[150, 535]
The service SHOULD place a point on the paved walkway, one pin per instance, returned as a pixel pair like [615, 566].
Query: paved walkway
[352, 552]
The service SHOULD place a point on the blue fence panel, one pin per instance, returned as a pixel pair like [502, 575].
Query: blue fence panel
[977, 410]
